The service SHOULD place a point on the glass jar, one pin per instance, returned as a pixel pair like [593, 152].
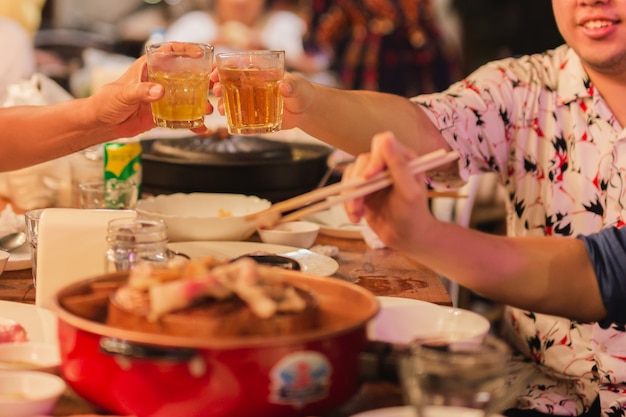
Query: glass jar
[133, 241]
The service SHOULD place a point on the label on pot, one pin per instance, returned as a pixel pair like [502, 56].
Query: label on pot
[300, 378]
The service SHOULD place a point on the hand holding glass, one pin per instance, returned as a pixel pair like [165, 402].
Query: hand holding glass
[250, 82]
[183, 69]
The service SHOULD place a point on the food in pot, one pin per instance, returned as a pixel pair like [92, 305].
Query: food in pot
[204, 297]
[11, 331]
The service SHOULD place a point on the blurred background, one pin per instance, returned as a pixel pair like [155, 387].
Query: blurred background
[400, 46]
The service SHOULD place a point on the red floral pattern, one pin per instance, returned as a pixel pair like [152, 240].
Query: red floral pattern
[540, 124]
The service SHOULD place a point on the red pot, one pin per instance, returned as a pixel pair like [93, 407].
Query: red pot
[154, 375]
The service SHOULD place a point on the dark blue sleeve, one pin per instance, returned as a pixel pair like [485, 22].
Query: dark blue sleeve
[607, 252]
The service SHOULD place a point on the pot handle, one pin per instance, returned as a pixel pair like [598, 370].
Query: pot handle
[379, 362]
[120, 347]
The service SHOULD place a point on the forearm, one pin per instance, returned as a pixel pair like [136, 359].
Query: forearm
[548, 275]
[34, 134]
[349, 119]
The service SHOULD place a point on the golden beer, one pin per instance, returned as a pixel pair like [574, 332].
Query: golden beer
[184, 102]
[252, 100]
[183, 69]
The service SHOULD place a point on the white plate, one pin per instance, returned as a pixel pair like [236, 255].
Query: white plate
[401, 411]
[40, 323]
[19, 259]
[334, 222]
[310, 262]
[408, 411]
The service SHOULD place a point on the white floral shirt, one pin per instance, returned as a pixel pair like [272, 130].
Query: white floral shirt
[540, 124]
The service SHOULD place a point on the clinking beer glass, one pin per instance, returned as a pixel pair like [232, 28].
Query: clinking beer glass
[250, 84]
[183, 69]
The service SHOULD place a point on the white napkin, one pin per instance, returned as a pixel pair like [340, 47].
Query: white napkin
[371, 238]
[10, 222]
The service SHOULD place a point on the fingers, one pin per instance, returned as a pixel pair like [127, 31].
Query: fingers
[182, 48]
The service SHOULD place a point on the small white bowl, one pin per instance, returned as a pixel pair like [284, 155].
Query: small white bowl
[29, 356]
[300, 234]
[29, 393]
[204, 216]
[4, 259]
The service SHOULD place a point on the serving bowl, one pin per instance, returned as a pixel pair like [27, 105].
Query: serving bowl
[28, 393]
[29, 356]
[403, 320]
[204, 216]
[300, 234]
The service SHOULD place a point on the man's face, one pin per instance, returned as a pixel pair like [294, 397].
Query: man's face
[596, 30]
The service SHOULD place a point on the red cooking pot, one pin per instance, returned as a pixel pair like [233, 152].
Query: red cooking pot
[159, 375]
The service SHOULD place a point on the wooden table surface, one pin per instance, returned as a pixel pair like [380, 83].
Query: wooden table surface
[383, 271]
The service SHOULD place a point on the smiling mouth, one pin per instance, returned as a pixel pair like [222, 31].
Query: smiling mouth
[597, 24]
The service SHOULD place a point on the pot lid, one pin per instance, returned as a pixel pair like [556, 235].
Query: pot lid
[219, 148]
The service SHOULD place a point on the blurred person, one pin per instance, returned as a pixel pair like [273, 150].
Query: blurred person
[551, 126]
[254, 24]
[391, 46]
[33, 134]
[18, 62]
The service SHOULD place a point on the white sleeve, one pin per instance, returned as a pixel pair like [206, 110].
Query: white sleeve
[194, 26]
[284, 30]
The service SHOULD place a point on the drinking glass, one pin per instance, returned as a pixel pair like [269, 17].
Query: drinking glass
[250, 83]
[441, 377]
[133, 241]
[112, 194]
[32, 218]
[183, 69]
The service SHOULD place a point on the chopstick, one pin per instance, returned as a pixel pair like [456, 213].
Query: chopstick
[359, 188]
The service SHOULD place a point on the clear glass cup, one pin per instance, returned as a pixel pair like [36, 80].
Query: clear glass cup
[112, 194]
[132, 241]
[32, 218]
[250, 84]
[469, 378]
[183, 69]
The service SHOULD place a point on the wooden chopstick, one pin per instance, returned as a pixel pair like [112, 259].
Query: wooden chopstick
[369, 186]
[333, 189]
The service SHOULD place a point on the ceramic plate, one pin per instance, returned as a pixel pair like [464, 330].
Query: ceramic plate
[408, 411]
[19, 259]
[310, 262]
[40, 323]
[334, 222]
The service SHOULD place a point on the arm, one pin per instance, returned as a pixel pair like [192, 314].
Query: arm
[348, 119]
[34, 134]
[550, 275]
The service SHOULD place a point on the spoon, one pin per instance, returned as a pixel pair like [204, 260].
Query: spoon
[12, 241]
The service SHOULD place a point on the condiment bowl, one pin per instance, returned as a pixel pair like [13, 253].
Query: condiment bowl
[29, 393]
[204, 216]
[29, 356]
[300, 234]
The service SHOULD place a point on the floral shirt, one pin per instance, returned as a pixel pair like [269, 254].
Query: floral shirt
[541, 125]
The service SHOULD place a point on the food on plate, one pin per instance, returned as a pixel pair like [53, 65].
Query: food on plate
[206, 297]
[11, 331]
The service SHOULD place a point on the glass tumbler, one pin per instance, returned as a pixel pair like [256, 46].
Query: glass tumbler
[132, 241]
[32, 218]
[461, 378]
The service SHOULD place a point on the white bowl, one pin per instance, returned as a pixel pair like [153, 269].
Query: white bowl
[29, 356]
[402, 320]
[29, 393]
[203, 216]
[300, 234]
[4, 258]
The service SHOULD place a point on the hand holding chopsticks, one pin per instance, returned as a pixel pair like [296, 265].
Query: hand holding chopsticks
[331, 195]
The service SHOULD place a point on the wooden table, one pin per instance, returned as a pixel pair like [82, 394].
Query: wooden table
[383, 271]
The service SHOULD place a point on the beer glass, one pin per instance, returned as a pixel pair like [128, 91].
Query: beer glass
[250, 84]
[183, 69]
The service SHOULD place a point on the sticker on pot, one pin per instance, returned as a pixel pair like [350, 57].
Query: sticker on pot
[300, 378]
